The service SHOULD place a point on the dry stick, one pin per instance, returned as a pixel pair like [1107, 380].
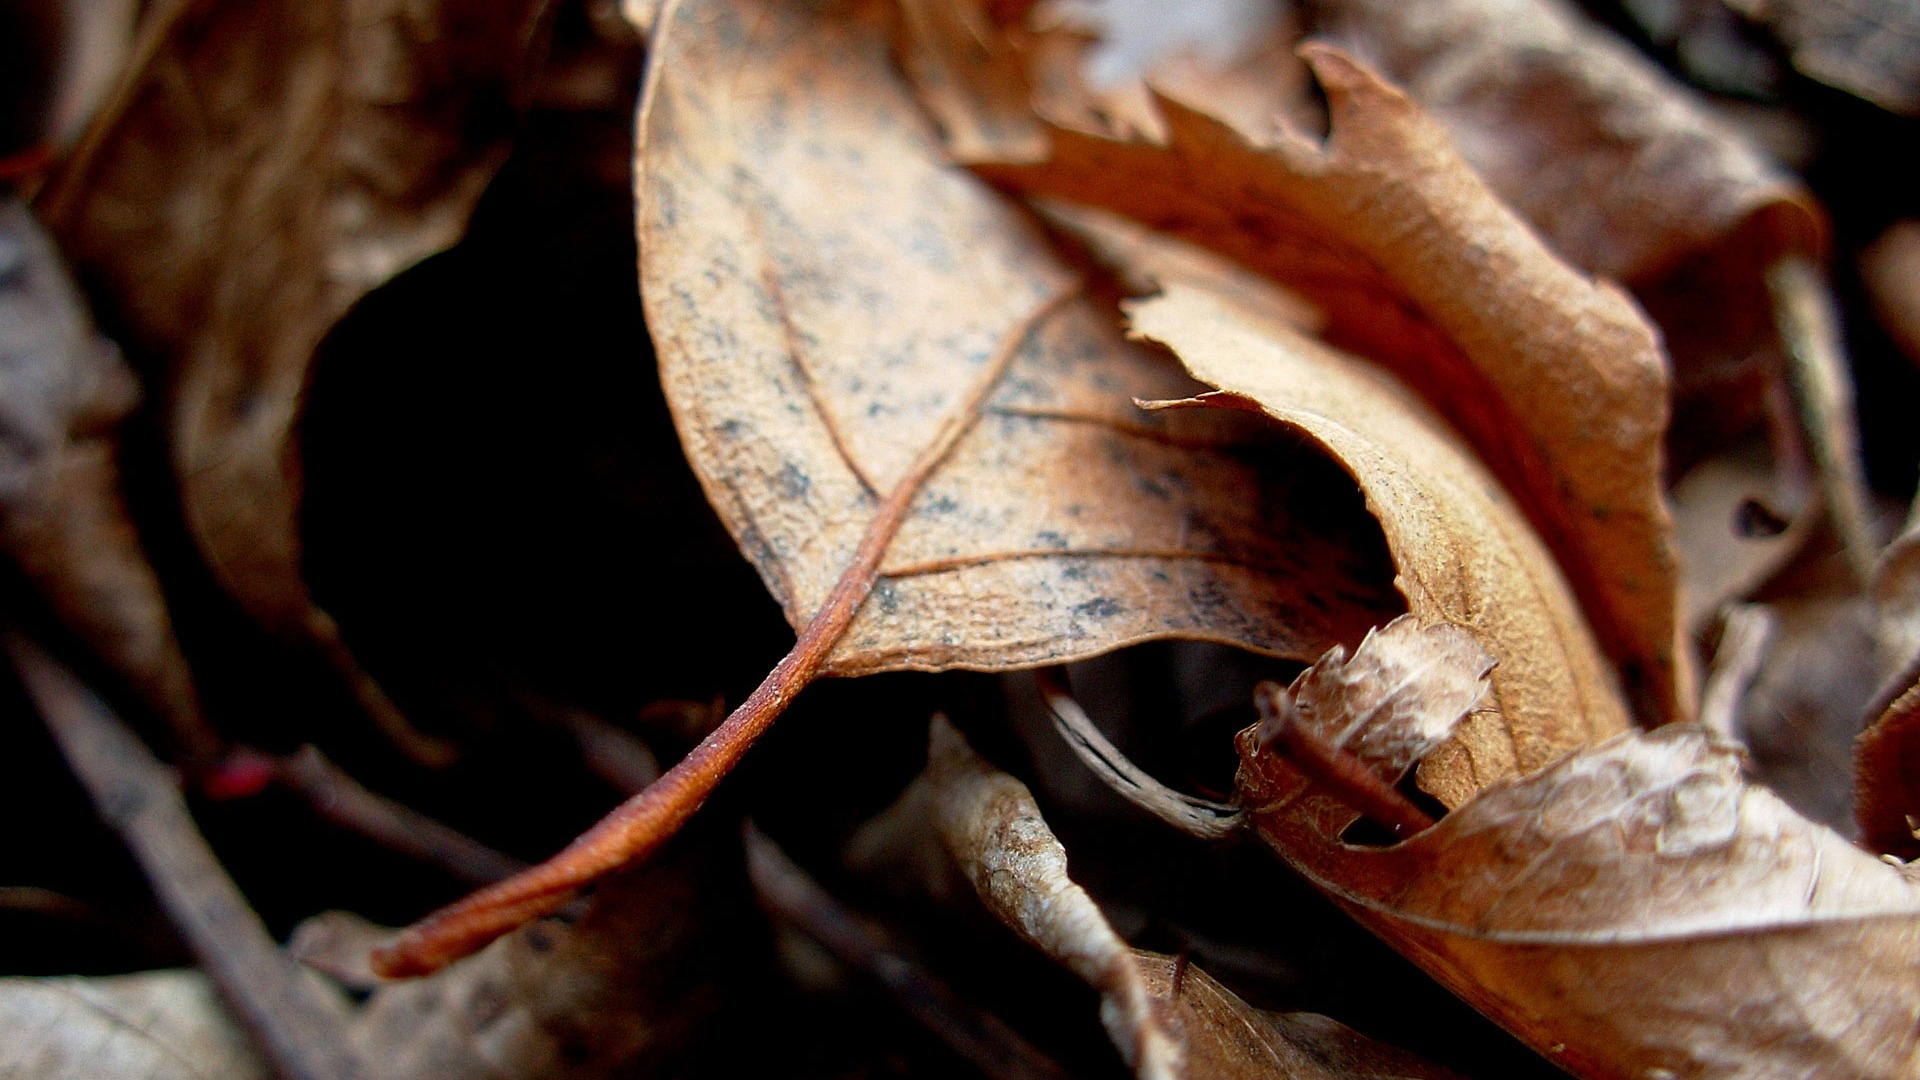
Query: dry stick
[301, 1034]
[1746, 632]
[1816, 361]
[1333, 769]
[1202, 818]
[427, 751]
[339, 798]
[980, 1037]
[641, 824]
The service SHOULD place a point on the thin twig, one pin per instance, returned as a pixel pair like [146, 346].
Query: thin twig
[339, 798]
[1333, 769]
[1803, 313]
[865, 946]
[301, 1033]
[1194, 816]
[641, 824]
[1746, 631]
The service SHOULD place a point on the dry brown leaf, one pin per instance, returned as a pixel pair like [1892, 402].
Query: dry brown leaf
[994, 831]
[1890, 272]
[829, 301]
[1869, 48]
[1227, 1039]
[1465, 554]
[155, 1025]
[63, 389]
[1555, 901]
[1623, 170]
[1886, 802]
[264, 166]
[1415, 264]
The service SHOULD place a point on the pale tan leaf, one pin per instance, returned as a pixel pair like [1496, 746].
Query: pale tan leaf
[1416, 265]
[830, 300]
[155, 1025]
[1464, 552]
[1737, 520]
[995, 833]
[264, 166]
[1228, 1039]
[1557, 904]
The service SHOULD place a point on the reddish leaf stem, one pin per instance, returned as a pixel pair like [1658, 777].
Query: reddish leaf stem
[641, 824]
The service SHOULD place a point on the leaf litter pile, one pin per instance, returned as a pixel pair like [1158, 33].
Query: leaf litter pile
[1341, 540]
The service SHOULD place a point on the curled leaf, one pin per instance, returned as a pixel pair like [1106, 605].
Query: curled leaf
[1464, 553]
[1416, 265]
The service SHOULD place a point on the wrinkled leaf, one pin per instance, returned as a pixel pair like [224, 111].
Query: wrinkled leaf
[155, 1025]
[1465, 554]
[1554, 901]
[63, 389]
[1416, 265]
[828, 298]
[266, 165]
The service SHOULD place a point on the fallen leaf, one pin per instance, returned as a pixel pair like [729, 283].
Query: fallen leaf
[155, 1025]
[263, 167]
[804, 252]
[1869, 48]
[1886, 802]
[1416, 265]
[994, 832]
[1890, 272]
[1553, 901]
[63, 390]
[1228, 1039]
[1464, 553]
[1625, 172]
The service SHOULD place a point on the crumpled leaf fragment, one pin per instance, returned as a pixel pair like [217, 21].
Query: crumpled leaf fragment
[154, 1025]
[264, 166]
[1551, 902]
[803, 242]
[63, 389]
[1416, 265]
[1228, 1039]
[994, 831]
[1464, 553]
